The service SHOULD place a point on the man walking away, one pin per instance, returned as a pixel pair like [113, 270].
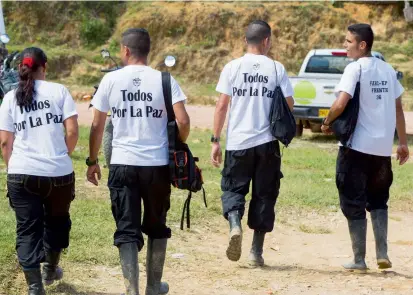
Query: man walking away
[364, 171]
[139, 164]
[252, 153]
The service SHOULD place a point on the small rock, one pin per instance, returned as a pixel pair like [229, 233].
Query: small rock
[178, 255]
[342, 256]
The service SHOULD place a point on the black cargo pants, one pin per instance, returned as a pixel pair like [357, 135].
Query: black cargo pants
[41, 205]
[128, 186]
[261, 165]
[363, 182]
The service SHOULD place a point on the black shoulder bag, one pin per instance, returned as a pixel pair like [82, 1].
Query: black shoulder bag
[344, 125]
[282, 122]
[184, 173]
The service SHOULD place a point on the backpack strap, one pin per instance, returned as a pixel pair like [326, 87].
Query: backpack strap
[167, 95]
[171, 126]
[186, 210]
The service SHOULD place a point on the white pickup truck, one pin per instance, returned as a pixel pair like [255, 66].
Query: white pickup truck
[314, 86]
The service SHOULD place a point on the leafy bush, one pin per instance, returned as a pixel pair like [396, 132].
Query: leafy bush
[94, 32]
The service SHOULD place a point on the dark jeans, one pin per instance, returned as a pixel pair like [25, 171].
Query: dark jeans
[363, 182]
[41, 205]
[262, 165]
[128, 186]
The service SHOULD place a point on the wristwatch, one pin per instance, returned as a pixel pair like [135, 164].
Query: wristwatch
[214, 139]
[91, 163]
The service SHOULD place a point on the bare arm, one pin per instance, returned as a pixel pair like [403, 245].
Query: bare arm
[338, 107]
[402, 150]
[219, 120]
[182, 120]
[400, 122]
[96, 133]
[72, 133]
[220, 114]
[290, 102]
[6, 142]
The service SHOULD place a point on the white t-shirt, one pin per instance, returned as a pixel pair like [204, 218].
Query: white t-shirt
[379, 88]
[135, 99]
[39, 146]
[251, 81]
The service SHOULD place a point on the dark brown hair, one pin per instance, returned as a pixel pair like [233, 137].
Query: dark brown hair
[363, 32]
[138, 41]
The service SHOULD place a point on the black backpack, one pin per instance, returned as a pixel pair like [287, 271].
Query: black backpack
[344, 125]
[184, 173]
[8, 81]
[282, 122]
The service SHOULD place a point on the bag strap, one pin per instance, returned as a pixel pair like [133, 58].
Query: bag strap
[167, 95]
[187, 210]
[171, 126]
[350, 140]
[276, 74]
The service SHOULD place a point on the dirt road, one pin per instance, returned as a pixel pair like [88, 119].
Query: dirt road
[297, 262]
[201, 116]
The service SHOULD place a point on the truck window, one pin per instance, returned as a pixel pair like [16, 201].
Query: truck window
[327, 64]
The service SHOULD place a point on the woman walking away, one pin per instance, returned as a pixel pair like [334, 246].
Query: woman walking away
[38, 131]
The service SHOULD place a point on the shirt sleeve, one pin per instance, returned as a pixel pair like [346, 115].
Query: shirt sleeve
[100, 100]
[349, 79]
[177, 93]
[224, 83]
[6, 118]
[285, 82]
[69, 106]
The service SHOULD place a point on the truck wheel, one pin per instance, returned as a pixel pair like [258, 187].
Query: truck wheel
[299, 129]
[107, 141]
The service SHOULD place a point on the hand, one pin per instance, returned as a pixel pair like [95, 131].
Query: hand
[326, 129]
[216, 154]
[402, 153]
[90, 174]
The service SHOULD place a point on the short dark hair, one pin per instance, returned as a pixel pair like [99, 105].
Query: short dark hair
[138, 41]
[363, 32]
[257, 31]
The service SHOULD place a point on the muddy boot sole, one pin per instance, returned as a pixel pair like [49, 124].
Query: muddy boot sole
[235, 243]
[384, 263]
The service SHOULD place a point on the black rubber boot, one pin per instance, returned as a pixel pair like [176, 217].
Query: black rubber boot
[379, 220]
[130, 268]
[257, 249]
[51, 271]
[235, 236]
[34, 281]
[358, 233]
[155, 260]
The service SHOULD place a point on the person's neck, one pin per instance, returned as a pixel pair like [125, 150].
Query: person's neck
[255, 50]
[138, 61]
[39, 76]
[367, 54]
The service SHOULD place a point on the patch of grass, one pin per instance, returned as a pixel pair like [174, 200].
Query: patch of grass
[395, 218]
[314, 229]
